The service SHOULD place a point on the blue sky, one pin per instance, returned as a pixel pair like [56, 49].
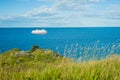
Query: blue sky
[59, 13]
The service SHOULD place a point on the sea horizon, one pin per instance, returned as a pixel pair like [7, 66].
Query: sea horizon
[62, 27]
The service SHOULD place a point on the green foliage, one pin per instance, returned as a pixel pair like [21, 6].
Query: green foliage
[40, 64]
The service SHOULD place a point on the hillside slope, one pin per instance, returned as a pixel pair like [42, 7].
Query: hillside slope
[44, 64]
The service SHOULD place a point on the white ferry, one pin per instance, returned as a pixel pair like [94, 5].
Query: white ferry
[37, 31]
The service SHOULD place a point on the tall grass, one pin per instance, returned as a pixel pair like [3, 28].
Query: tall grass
[107, 69]
[93, 51]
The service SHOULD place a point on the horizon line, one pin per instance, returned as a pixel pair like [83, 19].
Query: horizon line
[63, 27]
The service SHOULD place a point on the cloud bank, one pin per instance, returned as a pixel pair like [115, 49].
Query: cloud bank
[67, 13]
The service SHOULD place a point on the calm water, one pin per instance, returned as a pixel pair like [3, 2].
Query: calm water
[56, 37]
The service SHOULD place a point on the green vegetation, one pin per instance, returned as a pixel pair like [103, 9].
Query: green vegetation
[39, 64]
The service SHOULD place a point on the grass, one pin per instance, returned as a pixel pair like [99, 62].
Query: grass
[93, 51]
[39, 64]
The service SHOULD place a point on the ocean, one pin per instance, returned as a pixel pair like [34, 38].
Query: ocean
[58, 39]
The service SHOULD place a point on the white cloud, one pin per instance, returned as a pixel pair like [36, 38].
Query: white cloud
[111, 12]
[42, 11]
[5, 17]
[74, 4]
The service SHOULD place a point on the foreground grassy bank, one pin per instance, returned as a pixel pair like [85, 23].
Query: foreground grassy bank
[39, 64]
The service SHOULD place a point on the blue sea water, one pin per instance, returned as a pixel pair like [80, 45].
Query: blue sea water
[57, 38]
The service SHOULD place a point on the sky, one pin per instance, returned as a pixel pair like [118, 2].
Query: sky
[59, 13]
